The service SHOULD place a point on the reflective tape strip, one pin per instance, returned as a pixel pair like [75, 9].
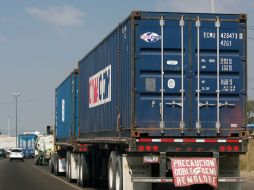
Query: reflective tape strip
[167, 140]
[151, 180]
[178, 140]
[232, 180]
[233, 141]
[170, 180]
[144, 140]
[211, 140]
[200, 140]
[156, 140]
[187, 140]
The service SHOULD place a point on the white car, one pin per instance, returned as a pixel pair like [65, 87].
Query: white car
[16, 154]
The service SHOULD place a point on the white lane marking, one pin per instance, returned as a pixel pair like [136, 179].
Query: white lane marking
[59, 179]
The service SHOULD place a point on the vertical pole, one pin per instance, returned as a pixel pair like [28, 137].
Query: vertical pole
[212, 5]
[162, 124]
[16, 95]
[16, 98]
[9, 133]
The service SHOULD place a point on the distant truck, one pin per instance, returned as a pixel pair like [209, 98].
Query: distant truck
[160, 101]
[27, 143]
[43, 149]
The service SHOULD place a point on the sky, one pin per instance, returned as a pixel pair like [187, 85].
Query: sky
[42, 41]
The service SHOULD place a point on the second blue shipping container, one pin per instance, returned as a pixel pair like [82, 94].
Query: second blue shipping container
[66, 109]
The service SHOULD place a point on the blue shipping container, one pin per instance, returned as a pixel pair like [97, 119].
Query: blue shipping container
[199, 60]
[27, 143]
[66, 108]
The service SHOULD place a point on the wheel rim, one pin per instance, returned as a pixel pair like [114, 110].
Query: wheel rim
[67, 166]
[117, 180]
[81, 172]
[110, 177]
[78, 174]
[69, 171]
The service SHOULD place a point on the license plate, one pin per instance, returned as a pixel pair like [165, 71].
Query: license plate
[151, 159]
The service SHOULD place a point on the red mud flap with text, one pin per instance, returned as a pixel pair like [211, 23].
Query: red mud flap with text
[190, 171]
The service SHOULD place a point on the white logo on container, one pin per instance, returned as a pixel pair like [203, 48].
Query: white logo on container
[150, 37]
[172, 62]
[63, 110]
[171, 83]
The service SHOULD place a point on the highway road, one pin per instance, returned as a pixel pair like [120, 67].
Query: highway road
[19, 175]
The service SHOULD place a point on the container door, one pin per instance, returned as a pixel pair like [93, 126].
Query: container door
[218, 81]
[162, 41]
[203, 76]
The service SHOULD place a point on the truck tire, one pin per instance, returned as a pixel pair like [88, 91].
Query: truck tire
[95, 168]
[51, 168]
[112, 170]
[119, 174]
[40, 162]
[67, 166]
[36, 162]
[78, 172]
[84, 171]
[56, 164]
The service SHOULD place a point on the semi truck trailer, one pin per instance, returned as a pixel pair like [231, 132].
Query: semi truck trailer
[160, 102]
[26, 142]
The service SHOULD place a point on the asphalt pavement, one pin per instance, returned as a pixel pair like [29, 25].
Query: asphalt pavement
[18, 175]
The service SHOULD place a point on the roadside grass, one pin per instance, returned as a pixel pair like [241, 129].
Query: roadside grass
[247, 160]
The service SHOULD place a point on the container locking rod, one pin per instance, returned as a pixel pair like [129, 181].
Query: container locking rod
[198, 124]
[162, 124]
[218, 124]
[182, 124]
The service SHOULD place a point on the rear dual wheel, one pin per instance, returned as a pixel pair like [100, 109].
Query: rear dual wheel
[51, 168]
[56, 164]
[119, 174]
[68, 167]
[115, 173]
[84, 178]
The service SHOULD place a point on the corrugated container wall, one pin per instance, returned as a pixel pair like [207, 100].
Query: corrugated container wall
[66, 108]
[203, 76]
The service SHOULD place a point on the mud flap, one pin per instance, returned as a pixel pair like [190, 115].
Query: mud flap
[229, 167]
[134, 167]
